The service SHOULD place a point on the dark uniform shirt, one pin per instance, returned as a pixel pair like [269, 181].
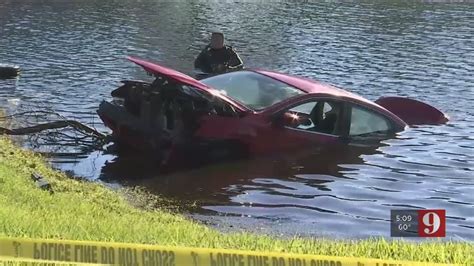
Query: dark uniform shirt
[209, 59]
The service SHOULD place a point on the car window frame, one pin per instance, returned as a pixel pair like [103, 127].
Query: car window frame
[345, 121]
[341, 123]
[350, 105]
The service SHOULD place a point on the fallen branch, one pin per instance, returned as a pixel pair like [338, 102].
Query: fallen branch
[49, 132]
[35, 113]
[53, 125]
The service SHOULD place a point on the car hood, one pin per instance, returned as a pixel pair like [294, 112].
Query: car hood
[176, 76]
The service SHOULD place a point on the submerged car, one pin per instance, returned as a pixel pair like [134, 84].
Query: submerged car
[253, 111]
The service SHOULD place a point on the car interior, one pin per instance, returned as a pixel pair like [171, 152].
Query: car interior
[321, 116]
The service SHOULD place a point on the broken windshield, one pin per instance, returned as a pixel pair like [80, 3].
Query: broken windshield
[251, 89]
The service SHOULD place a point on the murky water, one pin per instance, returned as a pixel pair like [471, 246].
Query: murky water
[72, 54]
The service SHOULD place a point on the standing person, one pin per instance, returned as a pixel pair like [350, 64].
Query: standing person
[217, 57]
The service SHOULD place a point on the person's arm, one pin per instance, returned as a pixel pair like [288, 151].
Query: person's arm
[234, 61]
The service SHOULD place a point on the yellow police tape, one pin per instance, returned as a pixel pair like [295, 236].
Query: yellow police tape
[57, 252]
[9, 261]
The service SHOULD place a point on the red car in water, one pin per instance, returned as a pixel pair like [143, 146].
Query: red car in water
[254, 111]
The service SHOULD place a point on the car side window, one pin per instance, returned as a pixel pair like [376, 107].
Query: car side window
[365, 122]
[315, 116]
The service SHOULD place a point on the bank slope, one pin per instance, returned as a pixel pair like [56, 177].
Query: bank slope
[80, 210]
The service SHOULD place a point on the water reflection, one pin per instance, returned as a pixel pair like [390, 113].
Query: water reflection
[204, 183]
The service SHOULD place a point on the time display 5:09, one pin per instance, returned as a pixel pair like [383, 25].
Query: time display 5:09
[404, 218]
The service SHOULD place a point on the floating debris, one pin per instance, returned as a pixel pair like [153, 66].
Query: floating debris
[42, 183]
[9, 71]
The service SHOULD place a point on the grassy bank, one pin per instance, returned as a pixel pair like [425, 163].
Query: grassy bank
[88, 211]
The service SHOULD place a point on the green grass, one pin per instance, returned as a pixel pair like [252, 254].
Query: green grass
[80, 210]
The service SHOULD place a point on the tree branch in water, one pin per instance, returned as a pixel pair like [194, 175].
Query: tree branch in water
[53, 125]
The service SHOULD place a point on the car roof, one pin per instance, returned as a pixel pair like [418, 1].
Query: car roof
[312, 86]
[316, 87]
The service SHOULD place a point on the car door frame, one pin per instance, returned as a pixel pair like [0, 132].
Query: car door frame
[348, 139]
[342, 123]
[345, 122]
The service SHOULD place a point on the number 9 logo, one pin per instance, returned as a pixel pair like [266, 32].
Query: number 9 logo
[432, 223]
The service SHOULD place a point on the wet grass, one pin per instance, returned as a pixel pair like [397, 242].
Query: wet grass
[81, 210]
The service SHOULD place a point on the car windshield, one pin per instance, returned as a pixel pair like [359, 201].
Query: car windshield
[255, 91]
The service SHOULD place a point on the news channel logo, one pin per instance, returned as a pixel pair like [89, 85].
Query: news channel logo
[418, 223]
